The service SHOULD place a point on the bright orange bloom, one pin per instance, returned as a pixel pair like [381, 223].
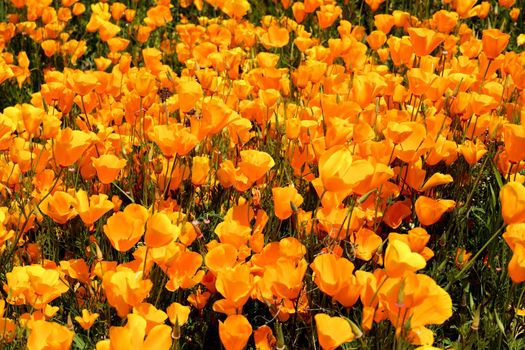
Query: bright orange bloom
[108, 167]
[376, 39]
[514, 138]
[235, 332]
[424, 40]
[87, 319]
[160, 231]
[82, 83]
[222, 256]
[512, 198]
[264, 338]
[366, 243]
[419, 298]
[275, 36]
[286, 200]
[125, 289]
[34, 285]
[445, 21]
[200, 169]
[473, 152]
[236, 8]
[494, 42]
[174, 139]
[334, 166]
[517, 264]
[178, 314]
[48, 335]
[437, 179]
[189, 92]
[254, 164]
[70, 145]
[133, 336]
[60, 206]
[151, 314]
[334, 276]
[430, 210]
[183, 269]
[399, 259]
[327, 15]
[92, 209]
[333, 331]
[374, 4]
[235, 285]
[124, 229]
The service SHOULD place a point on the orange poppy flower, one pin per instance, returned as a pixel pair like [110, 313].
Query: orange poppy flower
[327, 15]
[158, 16]
[464, 7]
[376, 39]
[298, 11]
[235, 332]
[514, 234]
[254, 164]
[494, 42]
[517, 264]
[134, 335]
[92, 209]
[334, 276]
[189, 92]
[473, 152]
[514, 139]
[125, 289]
[286, 277]
[59, 206]
[333, 331]
[512, 198]
[437, 179]
[430, 210]
[384, 22]
[178, 314]
[222, 256]
[275, 36]
[334, 165]
[399, 259]
[419, 298]
[200, 169]
[76, 268]
[311, 5]
[462, 258]
[87, 319]
[236, 9]
[183, 270]
[424, 40]
[70, 145]
[108, 167]
[286, 200]
[366, 243]
[82, 83]
[445, 21]
[374, 4]
[199, 299]
[48, 335]
[160, 231]
[151, 314]
[264, 338]
[124, 229]
[34, 285]
[235, 285]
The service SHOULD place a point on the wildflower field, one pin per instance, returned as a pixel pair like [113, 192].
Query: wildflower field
[270, 174]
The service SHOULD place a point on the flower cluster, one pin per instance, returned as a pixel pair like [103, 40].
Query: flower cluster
[198, 172]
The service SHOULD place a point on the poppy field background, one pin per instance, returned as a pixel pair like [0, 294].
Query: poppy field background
[262, 174]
